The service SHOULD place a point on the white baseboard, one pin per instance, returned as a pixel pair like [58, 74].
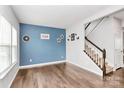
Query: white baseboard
[13, 78]
[84, 68]
[41, 64]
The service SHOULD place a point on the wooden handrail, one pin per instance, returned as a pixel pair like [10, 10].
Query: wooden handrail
[93, 44]
[87, 25]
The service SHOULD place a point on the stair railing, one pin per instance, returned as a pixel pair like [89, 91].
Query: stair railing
[102, 51]
[87, 25]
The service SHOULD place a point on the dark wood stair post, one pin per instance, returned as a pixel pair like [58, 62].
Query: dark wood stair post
[104, 66]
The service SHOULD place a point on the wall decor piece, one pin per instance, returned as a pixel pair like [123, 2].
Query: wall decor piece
[73, 37]
[77, 37]
[25, 38]
[61, 36]
[45, 36]
[60, 39]
[68, 39]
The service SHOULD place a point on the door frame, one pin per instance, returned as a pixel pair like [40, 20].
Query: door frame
[122, 38]
[116, 66]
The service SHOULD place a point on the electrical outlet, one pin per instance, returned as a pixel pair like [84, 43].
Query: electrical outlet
[30, 60]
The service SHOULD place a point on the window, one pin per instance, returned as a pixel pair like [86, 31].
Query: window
[8, 44]
[14, 45]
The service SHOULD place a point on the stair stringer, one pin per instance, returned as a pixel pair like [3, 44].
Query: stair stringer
[90, 65]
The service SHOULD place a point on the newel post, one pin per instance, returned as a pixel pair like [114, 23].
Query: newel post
[104, 66]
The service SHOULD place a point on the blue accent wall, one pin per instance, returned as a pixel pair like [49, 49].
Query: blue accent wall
[39, 50]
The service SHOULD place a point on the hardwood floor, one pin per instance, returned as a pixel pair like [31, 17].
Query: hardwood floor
[65, 76]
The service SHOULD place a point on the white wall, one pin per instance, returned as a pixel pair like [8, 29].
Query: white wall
[9, 15]
[92, 26]
[74, 52]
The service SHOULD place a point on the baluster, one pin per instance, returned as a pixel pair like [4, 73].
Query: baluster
[88, 50]
[98, 62]
[97, 57]
[92, 54]
[102, 63]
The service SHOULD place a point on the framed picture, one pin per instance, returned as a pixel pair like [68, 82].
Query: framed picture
[45, 36]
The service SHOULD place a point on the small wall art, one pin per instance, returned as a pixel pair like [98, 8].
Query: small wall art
[60, 38]
[26, 38]
[73, 37]
[45, 36]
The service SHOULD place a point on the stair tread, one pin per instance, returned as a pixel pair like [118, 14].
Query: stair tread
[108, 66]
[108, 69]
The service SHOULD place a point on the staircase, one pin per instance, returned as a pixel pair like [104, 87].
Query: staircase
[97, 55]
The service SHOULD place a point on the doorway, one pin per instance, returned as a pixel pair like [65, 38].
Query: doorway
[119, 50]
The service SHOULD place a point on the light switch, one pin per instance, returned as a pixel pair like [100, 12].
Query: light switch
[30, 60]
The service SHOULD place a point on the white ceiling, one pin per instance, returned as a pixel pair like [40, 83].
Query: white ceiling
[55, 16]
[120, 15]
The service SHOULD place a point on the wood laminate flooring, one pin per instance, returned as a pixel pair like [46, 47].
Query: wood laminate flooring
[65, 76]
